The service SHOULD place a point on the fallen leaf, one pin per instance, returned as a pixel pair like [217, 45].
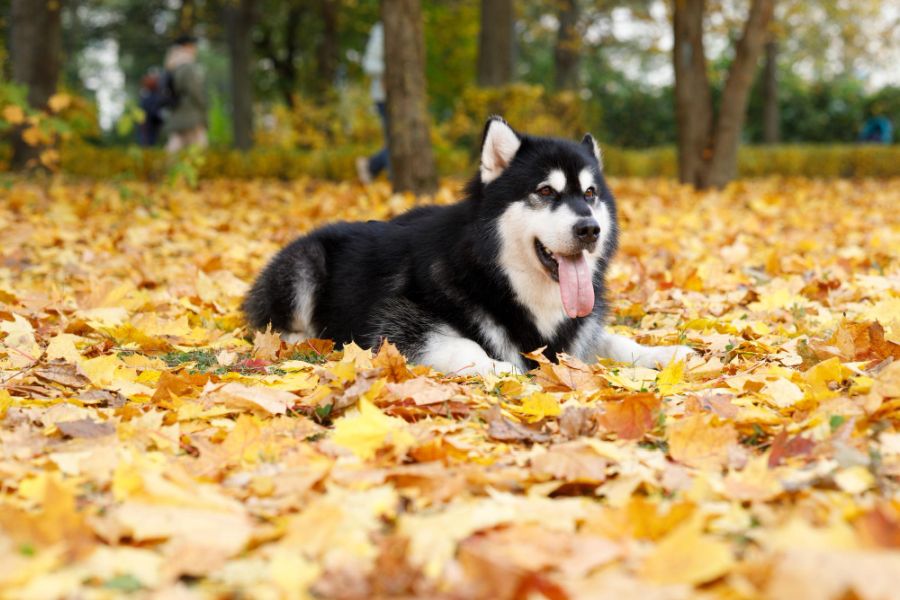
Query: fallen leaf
[698, 441]
[688, 556]
[632, 416]
[502, 429]
[238, 395]
[85, 428]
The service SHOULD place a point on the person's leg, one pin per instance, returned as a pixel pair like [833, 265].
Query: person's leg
[175, 143]
[379, 161]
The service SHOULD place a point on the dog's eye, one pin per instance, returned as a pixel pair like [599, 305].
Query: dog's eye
[546, 191]
[590, 194]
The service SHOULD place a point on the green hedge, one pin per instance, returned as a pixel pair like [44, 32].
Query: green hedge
[791, 160]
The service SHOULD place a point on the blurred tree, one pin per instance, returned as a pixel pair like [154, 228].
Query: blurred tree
[277, 42]
[409, 141]
[708, 145]
[496, 43]
[568, 45]
[240, 15]
[327, 48]
[36, 53]
[771, 116]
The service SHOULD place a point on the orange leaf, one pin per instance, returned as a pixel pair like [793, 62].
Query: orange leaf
[631, 417]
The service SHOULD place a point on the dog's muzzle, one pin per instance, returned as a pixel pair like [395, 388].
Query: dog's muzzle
[586, 231]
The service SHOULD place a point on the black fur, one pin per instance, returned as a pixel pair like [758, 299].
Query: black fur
[402, 278]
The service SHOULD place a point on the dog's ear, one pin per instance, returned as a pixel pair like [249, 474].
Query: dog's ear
[498, 148]
[591, 144]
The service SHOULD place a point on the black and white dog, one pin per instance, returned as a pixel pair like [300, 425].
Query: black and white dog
[467, 288]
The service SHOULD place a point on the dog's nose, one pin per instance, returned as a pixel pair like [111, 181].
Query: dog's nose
[587, 231]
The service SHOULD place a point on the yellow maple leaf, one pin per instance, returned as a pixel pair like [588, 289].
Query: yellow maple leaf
[539, 406]
[369, 429]
[671, 378]
[820, 376]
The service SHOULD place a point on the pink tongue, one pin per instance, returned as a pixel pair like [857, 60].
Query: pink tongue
[575, 285]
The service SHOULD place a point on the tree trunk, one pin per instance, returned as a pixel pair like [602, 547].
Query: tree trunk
[409, 143]
[568, 46]
[693, 100]
[327, 50]
[239, 18]
[495, 43]
[35, 49]
[771, 107]
[733, 112]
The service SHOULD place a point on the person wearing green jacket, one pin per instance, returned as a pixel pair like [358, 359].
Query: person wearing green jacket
[186, 83]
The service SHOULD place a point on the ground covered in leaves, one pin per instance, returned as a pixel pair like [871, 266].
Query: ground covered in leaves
[150, 445]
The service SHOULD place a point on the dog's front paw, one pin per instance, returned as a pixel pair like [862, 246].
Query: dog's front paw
[660, 356]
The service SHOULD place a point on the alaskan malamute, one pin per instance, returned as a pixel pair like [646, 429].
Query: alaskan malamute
[467, 288]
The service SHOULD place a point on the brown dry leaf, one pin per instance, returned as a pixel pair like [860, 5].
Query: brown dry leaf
[392, 363]
[700, 441]
[505, 430]
[784, 447]
[423, 391]
[238, 395]
[68, 375]
[632, 416]
[577, 421]
[85, 428]
[266, 345]
[572, 463]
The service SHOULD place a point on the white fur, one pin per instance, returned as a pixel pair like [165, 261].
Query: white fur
[304, 299]
[597, 153]
[500, 146]
[555, 179]
[622, 349]
[586, 179]
[447, 351]
[496, 336]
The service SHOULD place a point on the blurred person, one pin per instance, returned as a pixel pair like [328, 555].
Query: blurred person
[152, 103]
[877, 130]
[368, 168]
[185, 92]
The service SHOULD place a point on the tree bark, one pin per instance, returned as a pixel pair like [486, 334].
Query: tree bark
[733, 111]
[239, 18]
[568, 46]
[409, 143]
[36, 53]
[327, 50]
[693, 99]
[707, 153]
[495, 43]
[771, 107]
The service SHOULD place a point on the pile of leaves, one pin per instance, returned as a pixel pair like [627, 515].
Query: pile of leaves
[151, 444]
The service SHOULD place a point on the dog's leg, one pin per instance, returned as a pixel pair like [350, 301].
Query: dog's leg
[446, 350]
[624, 350]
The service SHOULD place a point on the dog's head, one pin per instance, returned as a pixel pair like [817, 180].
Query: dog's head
[554, 214]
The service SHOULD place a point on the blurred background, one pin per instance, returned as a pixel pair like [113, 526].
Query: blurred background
[705, 91]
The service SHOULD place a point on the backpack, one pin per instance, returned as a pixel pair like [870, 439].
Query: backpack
[167, 93]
